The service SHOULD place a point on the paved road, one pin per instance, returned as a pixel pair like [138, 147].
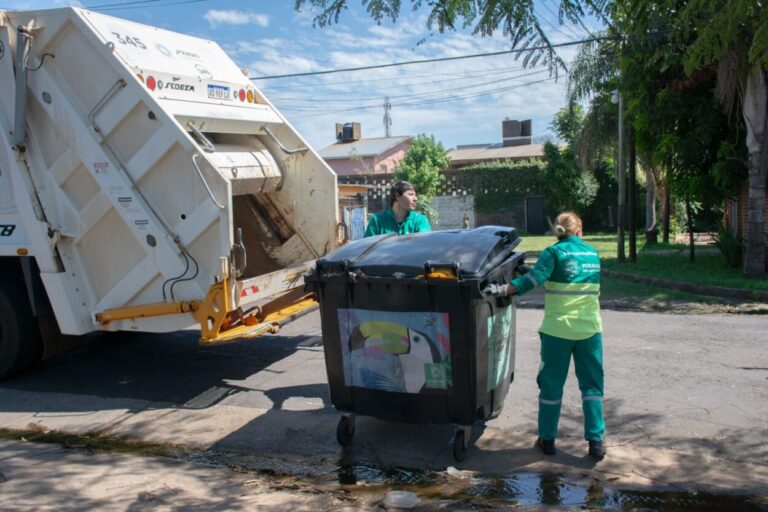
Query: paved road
[687, 398]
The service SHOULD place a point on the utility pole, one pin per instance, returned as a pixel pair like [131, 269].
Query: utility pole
[387, 117]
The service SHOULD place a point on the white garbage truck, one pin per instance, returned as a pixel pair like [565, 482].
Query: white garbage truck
[146, 185]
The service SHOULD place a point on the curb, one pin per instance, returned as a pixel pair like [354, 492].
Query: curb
[715, 291]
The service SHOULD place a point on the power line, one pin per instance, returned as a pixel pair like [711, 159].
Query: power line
[425, 61]
[484, 71]
[417, 103]
[139, 4]
[132, 4]
[104, 6]
[561, 30]
[429, 93]
[414, 96]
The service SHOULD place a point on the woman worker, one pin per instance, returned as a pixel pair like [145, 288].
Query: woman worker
[572, 327]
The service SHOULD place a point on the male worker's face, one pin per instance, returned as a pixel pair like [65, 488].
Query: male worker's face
[407, 201]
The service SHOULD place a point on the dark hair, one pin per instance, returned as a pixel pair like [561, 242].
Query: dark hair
[398, 189]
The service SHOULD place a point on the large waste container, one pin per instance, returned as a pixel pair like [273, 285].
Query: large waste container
[408, 333]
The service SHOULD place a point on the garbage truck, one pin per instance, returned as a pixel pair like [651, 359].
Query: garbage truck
[146, 185]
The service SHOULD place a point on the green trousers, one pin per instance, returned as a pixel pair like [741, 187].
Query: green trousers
[555, 360]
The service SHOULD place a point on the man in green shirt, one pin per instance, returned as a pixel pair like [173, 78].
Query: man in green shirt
[400, 218]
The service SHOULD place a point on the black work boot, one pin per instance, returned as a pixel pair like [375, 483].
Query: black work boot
[596, 449]
[547, 446]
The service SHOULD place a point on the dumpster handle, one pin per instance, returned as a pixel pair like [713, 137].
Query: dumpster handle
[429, 267]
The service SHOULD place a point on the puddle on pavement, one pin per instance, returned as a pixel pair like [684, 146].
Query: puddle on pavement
[462, 490]
[526, 489]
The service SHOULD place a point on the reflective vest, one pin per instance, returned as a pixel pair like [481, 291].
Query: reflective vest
[570, 273]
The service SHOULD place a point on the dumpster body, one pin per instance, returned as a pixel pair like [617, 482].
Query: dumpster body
[409, 335]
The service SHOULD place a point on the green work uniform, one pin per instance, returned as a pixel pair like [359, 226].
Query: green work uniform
[570, 273]
[383, 223]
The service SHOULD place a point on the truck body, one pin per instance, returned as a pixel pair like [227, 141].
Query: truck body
[147, 185]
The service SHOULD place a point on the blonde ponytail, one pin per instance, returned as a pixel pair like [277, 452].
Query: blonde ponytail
[566, 224]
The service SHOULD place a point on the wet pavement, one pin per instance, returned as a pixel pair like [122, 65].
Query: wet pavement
[48, 476]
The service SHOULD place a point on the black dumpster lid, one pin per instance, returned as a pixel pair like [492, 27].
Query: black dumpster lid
[474, 251]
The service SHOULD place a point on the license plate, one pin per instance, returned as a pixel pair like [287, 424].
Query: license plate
[219, 92]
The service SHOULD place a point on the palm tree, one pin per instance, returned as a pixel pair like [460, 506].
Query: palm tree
[733, 36]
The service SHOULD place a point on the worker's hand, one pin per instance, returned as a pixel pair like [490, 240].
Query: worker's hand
[497, 290]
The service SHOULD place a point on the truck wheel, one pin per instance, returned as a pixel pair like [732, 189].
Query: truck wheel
[21, 345]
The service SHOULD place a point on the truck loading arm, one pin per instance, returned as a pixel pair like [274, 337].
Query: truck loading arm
[221, 321]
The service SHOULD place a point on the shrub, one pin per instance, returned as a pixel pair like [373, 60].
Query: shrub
[730, 245]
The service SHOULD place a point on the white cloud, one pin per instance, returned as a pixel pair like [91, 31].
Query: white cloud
[232, 17]
[276, 62]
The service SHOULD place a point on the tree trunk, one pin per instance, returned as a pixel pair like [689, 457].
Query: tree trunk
[667, 211]
[651, 230]
[689, 216]
[631, 190]
[755, 111]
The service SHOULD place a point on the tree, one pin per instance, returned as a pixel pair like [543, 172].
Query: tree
[516, 18]
[732, 37]
[562, 184]
[673, 113]
[421, 167]
[568, 122]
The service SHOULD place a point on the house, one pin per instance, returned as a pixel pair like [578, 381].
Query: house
[516, 145]
[353, 155]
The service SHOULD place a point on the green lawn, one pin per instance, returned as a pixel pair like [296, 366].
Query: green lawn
[708, 269]
[604, 243]
[666, 261]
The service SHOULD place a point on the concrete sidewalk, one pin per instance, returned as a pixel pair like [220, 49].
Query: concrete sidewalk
[49, 477]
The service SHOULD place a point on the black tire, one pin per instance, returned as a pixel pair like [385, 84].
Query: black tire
[459, 446]
[21, 345]
[345, 431]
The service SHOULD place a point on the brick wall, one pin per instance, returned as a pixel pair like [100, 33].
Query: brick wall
[740, 208]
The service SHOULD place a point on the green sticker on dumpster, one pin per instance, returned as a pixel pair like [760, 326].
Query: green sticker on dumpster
[499, 342]
[438, 375]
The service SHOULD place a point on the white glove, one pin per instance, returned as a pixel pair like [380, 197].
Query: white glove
[497, 290]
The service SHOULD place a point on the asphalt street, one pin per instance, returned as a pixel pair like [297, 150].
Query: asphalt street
[686, 402]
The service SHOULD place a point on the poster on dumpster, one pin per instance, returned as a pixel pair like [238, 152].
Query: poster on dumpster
[499, 343]
[393, 351]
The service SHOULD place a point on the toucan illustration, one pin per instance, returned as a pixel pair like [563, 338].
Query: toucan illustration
[413, 348]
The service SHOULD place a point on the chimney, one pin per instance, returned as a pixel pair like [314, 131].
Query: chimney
[516, 133]
[348, 132]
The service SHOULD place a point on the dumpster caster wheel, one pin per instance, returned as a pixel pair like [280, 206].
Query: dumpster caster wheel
[345, 431]
[460, 446]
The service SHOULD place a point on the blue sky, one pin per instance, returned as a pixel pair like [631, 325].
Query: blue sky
[459, 102]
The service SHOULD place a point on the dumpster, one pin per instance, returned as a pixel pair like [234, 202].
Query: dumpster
[408, 333]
